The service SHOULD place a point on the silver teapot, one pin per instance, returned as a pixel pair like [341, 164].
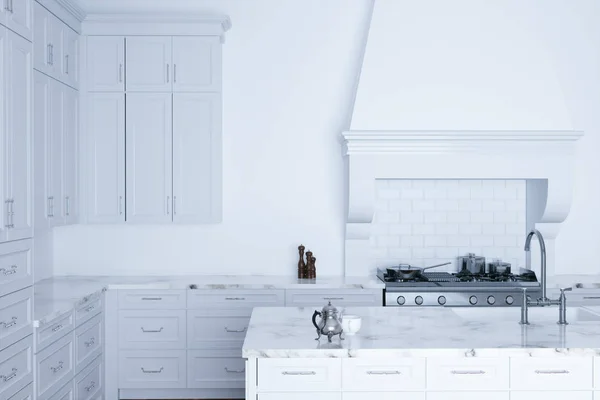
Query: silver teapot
[330, 323]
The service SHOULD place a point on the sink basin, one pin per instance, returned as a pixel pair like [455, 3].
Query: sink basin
[513, 314]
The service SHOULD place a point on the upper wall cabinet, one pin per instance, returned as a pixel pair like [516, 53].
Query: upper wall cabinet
[105, 63]
[16, 15]
[149, 64]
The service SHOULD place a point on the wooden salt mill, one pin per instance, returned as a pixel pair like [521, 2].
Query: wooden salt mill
[309, 255]
[301, 263]
[312, 268]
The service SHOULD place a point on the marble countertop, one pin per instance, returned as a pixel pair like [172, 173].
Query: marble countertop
[421, 332]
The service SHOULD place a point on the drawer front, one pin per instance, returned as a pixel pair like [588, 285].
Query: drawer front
[88, 310]
[15, 317]
[54, 367]
[468, 373]
[152, 369]
[303, 375]
[206, 331]
[53, 331]
[152, 299]
[24, 394]
[88, 342]
[89, 383]
[247, 299]
[543, 395]
[67, 392]
[16, 270]
[597, 375]
[338, 297]
[302, 396]
[384, 396]
[161, 329]
[16, 367]
[383, 375]
[470, 396]
[561, 373]
[215, 372]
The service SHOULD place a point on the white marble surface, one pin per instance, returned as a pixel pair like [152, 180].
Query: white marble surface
[574, 281]
[422, 332]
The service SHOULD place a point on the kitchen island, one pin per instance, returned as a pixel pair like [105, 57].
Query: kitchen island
[425, 353]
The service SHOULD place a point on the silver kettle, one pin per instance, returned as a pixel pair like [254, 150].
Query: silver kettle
[330, 323]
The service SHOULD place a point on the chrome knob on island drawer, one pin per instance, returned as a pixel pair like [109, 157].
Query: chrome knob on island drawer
[418, 300]
[12, 322]
[6, 378]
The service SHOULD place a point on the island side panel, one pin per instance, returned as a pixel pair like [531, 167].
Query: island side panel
[251, 378]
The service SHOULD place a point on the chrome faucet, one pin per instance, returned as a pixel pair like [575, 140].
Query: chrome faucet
[543, 257]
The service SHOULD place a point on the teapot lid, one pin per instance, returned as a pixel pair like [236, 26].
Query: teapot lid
[329, 309]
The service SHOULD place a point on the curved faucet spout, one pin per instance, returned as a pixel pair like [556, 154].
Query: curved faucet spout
[542, 256]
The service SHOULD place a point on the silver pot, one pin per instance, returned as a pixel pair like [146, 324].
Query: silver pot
[472, 263]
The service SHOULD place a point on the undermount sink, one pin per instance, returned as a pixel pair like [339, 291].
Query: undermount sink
[513, 314]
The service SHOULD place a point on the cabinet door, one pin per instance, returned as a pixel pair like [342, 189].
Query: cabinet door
[196, 160]
[70, 165]
[70, 58]
[56, 48]
[106, 157]
[54, 171]
[19, 17]
[149, 64]
[41, 150]
[196, 64]
[41, 39]
[105, 63]
[4, 161]
[18, 90]
[149, 157]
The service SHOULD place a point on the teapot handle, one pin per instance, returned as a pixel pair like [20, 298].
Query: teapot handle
[314, 318]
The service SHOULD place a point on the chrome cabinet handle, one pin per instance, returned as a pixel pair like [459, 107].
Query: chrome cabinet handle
[120, 205]
[384, 372]
[67, 64]
[167, 73]
[151, 298]
[67, 206]
[168, 209]
[51, 206]
[174, 205]
[7, 8]
[92, 385]
[89, 308]
[333, 298]
[48, 55]
[12, 211]
[51, 54]
[6, 378]
[552, 371]
[11, 6]
[13, 322]
[235, 371]
[121, 72]
[292, 373]
[152, 330]
[90, 343]
[57, 368]
[12, 270]
[235, 298]
[174, 73]
[477, 372]
[57, 328]
[7, 203]
[235, 330]
[152, 371]
[591, 297]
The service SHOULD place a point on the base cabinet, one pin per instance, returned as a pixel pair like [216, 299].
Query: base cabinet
[384, 396]
[552, 395]
[302, 396]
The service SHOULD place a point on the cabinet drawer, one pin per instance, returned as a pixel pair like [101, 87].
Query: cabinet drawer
[88, 310]
[54, 367]
[338, 297]
[67, 392]
[151, 299]
[246, 299]
[215, 372]
[88, 342]
[302, 396]
[15, 317]
[24, 394]
[303, 375]
[16, 270]
[383, 375]
[467, 373]
[597, 375]
[543, 395]
[470, 396]
[89, 383]
[161, 329]
[152, 369]
[49, 333]
[560, 373]
[16, 368]
[384, 396]
[209, 331]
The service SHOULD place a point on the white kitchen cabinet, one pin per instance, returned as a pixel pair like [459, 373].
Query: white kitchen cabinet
[299, 374]
[42, 38]
[16, 268]
[105, 185]
[196, 157]
[5, 214]
[54, 165]
[149, 64]
[24, 394]
[551, 395]
[70, 165]
[302, 396]
[384, 396]
[196, 64]
[105, 63]
[158, 369]
[41, 149]
[15, 316]
[57, 29]
[468, 395]
[70, 58]
[149, 157]
[15, 367]
[569, 373]
[16, 15]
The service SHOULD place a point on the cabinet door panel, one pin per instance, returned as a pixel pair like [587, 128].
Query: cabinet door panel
[106, 157]
[196, 165]
[41, 38]
[70, 57]
[70, 165]
[105, 63]
[41, 150]
[19, 89]
[551, 395]
[4, 151]
[20, 17]
[55, 167]
[149, 64]
[56, 48]
[468, 395]
[149, 157]
[196, 64]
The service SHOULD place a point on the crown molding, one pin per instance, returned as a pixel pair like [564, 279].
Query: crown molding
[73, 8]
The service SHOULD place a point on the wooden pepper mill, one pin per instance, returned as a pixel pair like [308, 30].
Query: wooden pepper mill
[309, 255]
[312, 268]
[301, 263]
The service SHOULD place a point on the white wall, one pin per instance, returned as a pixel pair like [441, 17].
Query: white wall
[288, 85]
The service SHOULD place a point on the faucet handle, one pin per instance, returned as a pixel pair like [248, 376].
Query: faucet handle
[567, 289]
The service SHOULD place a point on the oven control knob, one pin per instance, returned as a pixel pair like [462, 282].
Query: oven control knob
[509, 300]
[442, 300]
[473, 300]
[418, 300]
[401, 300]
[491, 300]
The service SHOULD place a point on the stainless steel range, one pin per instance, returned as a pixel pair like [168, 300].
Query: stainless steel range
[463, 289]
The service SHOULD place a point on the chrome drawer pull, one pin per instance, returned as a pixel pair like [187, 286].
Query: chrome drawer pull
[333, 298]
[152, 371]
[90, 343]
[151, 298]
[152, 330]
[92, 385]
[235, 371]
[551, 371]
[57, 368]
[591, 297]
[13, 322]
[90, 308]
[384, 372]
[478, 372]
[235, 330]
[6, 378]
[235, 298]
[298, 373]
[12, 270]
[57, 328]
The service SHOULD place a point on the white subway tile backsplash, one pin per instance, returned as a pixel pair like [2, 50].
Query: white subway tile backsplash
[459, 193]
[400, 253]
[462, 217]
[446, 252]
[470, 229]
[412, 194]
[411, 241]
[515, 205]
[415, 217]
[505, 241]
[448, 184]
[437, 193]
[386, 217]
[400, 205]
[458, 241]
[423, 252]
[470, 205]
[398, 183]
[388, 241]
[482, 240]
[446, 229]
[401, 229]
[388, 194]
[436, 217]
[424, 205]
[494, 205]
[424, 183]
[436, 241]
[482, 193]
[506, 217]
[515, 229]
[446, 205]
[493, 229]
[423, 229]
[482, 217]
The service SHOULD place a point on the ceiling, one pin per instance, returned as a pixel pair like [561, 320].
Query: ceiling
[150, 6]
